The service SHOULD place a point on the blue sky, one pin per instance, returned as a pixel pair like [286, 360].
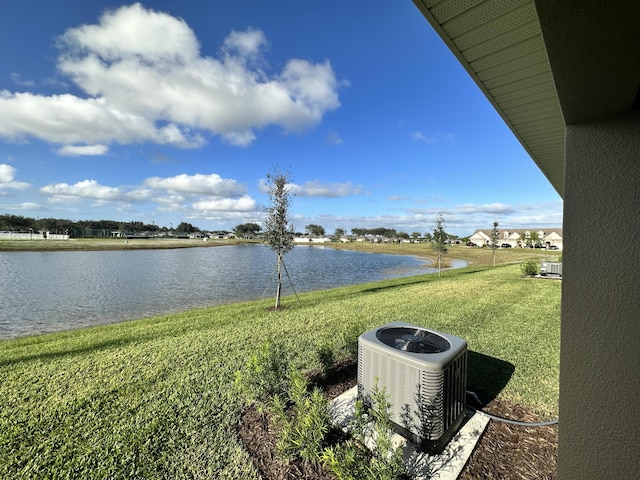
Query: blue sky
[175, 111]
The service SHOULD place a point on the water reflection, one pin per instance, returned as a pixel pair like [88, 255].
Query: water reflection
[53, 291]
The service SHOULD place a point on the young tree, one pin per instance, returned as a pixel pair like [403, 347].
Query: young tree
[278, 234]
[439, 240]
[495, 236]
[338, 234]
[534, 238]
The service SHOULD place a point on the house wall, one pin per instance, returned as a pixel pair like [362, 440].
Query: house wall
[600, 332]
[478, 239]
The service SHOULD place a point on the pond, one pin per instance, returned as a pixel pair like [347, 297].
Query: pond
[54, 291]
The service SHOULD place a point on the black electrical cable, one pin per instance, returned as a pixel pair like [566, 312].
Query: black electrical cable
[508, 420]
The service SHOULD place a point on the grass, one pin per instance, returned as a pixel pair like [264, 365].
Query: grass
[107, 244]
[474, 255]
[153, 398]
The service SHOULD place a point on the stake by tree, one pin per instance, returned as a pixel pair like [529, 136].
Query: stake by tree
[494, 241]
[278, 230]
[439, 239]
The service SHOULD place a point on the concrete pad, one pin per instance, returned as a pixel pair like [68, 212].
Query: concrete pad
[446, 466]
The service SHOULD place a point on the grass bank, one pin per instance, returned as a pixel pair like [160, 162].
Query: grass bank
[153, 398]
[88, 244]
[474, 255]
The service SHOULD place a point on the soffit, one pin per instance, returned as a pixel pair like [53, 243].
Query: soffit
[594, 52]
[499, 43]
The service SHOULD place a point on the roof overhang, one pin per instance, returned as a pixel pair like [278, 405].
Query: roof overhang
[544, 64]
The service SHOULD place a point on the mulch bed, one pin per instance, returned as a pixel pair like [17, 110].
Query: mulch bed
[511, 451]
[504, 452]
[260, 441]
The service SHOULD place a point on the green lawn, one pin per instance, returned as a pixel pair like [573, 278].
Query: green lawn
[107, 244]
[153, 398]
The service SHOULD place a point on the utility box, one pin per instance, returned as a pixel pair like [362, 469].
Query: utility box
[551, 269]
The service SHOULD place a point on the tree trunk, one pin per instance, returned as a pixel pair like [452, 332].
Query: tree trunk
[279, 287]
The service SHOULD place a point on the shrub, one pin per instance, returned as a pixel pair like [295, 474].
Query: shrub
[265, 375]
[350, 337]
[529, 268]
[371, 427]
[326, 357]
[302, 416]
[305, 424]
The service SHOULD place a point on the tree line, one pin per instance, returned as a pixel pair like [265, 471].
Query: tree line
[88, 228]
[18, 223]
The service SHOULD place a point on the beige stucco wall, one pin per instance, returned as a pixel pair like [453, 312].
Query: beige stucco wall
[600, 339]
[478, 239]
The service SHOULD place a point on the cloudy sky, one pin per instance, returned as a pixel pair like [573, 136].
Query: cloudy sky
[175, 111]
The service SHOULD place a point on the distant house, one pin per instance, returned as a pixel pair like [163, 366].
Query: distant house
[521, 237]
[310, 239]
[480, 239]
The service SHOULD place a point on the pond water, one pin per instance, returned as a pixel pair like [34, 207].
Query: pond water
[53, 291]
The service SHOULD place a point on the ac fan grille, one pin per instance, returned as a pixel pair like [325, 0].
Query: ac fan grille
[416, 340]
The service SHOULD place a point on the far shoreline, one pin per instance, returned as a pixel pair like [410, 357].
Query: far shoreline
[480, 256]
[102, 244]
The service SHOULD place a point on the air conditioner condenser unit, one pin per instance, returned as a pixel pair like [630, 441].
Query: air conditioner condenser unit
[424, 373]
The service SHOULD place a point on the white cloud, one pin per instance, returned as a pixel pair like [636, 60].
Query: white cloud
[193, 196]
[7, 175]
[21, 206]
[17, 79]
[135, 67]
[93, 191]
[399, 198]
[83, 150]
[68, 119]
[216, 194]
[488, 208]
[434, 138]
[211, 184]
[129, 31]
[460, 220]
[317, 189]
[242, 204]
[86, 189]
[170, 203]
[246, 44]
[334, 139]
